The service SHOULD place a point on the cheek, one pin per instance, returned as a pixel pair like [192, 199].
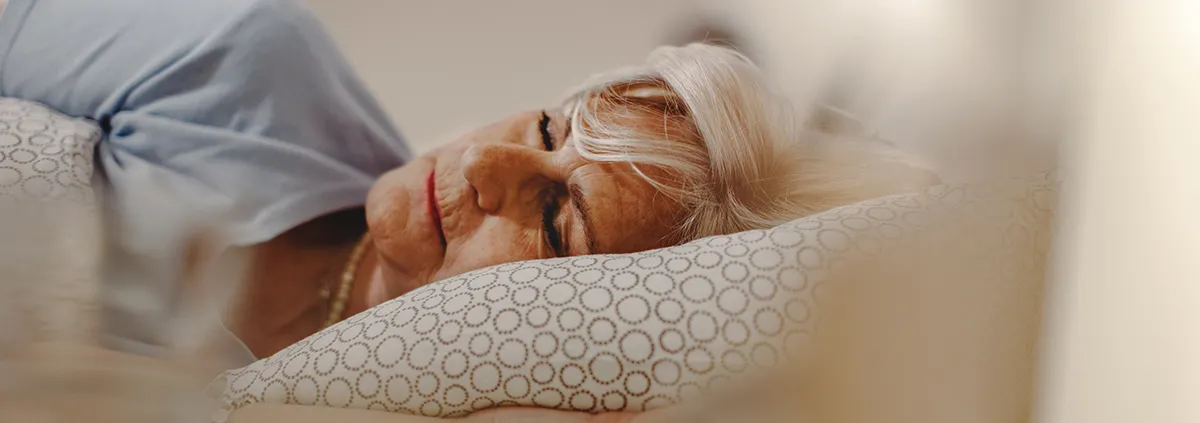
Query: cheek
[497, 241]
[648, 221]
[388, 211]
[386, 203]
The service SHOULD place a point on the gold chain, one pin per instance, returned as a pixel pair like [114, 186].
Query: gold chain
[338, 306]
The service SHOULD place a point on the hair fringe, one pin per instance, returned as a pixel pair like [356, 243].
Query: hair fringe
[733, 153]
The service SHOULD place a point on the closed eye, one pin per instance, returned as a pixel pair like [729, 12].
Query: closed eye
[544, 126]
[551, 206]
[553, 235]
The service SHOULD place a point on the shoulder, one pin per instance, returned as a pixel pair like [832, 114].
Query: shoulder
[263, 27]
[192, 19]
[271, 13]
[171, 21]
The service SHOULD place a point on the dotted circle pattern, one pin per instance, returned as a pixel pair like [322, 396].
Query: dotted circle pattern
[597, 333]
[50, 285]
[43, 154]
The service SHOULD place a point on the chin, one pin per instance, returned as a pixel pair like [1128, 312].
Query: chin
[388, 210]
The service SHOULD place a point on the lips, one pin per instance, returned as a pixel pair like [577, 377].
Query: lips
[435, 211]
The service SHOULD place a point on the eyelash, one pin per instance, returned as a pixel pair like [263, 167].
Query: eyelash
[544, 126]
[550, 209]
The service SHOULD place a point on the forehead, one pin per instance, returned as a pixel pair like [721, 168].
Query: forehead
[627, 213]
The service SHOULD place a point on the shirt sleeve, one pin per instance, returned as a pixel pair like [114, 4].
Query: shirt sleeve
[244, 109]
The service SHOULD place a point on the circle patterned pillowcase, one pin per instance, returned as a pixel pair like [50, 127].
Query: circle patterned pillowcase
[43, 154]
[592, 333]
[49, 224]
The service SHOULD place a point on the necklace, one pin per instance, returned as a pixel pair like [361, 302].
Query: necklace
[338, 306]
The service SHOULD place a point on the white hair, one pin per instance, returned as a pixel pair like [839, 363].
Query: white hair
[721, 143]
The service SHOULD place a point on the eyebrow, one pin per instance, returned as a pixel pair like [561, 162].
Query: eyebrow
[589, 232]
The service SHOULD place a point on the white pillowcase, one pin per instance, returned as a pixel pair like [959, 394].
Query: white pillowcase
[592, 333]
[43, 154]
[50, 226]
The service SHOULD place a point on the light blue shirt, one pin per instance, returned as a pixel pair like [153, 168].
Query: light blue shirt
[243, 109]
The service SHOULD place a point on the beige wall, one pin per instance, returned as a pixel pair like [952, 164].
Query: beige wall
[442, 66]
[439, 66]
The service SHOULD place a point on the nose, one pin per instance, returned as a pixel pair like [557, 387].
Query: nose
[502, 173]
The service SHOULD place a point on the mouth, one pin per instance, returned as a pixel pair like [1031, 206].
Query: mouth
[435, 211]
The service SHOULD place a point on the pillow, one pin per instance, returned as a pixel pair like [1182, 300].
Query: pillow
[44, 154]
[49, 259]
[592, 333]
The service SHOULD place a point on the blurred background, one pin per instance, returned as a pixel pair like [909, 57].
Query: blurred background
[441, 67]
[1106, 90]
[967, 86]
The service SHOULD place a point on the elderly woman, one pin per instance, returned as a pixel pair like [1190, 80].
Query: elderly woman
[246, 110]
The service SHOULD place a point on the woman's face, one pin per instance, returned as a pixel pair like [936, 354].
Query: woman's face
[514, 190]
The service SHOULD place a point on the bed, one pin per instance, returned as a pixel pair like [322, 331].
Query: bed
[635, 332]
